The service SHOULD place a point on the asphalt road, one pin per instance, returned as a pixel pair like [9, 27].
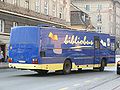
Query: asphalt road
[85, 80]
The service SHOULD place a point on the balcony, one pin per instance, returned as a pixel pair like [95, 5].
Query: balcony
[26, 12]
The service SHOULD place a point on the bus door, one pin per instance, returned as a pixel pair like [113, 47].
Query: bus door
[96, 49]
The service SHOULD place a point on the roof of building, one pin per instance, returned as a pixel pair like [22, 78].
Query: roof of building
[79, 18]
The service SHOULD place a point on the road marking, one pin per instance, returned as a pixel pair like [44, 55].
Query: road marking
[76, 85]
[88, 81]
[97, 78]
[63, 88]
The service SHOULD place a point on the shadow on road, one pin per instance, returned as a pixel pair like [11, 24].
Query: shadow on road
[51, 74]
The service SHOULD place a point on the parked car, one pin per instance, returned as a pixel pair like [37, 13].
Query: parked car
[118, 61]
[118, 67]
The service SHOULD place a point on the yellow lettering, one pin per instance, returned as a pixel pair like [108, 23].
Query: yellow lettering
[75, 40]
[66, 41]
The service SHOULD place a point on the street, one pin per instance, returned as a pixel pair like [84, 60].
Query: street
[59, 35]
[11, 79]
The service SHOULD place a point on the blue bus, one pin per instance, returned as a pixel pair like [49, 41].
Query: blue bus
[42, 49]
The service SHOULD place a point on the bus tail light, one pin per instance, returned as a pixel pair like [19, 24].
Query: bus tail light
[34, 61]
[10, 60]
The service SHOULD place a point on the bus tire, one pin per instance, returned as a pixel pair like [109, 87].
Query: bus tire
[42, 72]
[67, 67]
[79, 69]
[102, 66]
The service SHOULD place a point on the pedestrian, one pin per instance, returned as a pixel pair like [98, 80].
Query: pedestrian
[1, 56]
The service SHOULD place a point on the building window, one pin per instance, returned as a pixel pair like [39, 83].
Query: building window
[16, 2]
[46, 7]
[60, 12]
[87, 7]
[37, 6]
[99, 18]
[99, 7]
[2, 22]
[83, 16]
[2, 0]
[15, 24]
[27, 4]
[99, 28]
[54, 9]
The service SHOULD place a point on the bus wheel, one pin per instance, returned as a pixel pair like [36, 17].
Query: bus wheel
[67, 67]
[102, 66]
[80, 69]
[42, 72]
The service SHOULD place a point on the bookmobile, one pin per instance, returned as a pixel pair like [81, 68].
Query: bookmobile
[42, 49]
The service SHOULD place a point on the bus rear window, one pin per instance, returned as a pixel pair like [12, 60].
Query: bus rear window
[24, 35]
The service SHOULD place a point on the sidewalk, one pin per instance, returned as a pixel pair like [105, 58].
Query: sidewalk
[3, 65]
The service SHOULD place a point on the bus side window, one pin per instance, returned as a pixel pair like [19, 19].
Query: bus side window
[112, 46]
[42, 54]
[97, 44]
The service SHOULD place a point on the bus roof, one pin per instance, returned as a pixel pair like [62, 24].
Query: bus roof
[54, 28]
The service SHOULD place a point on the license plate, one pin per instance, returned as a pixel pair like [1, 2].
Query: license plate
[21, 61]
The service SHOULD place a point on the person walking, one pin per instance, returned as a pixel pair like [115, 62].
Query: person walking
[1, 56]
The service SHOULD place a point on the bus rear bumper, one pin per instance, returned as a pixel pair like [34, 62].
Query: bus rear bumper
[56, 66]
[37, 66]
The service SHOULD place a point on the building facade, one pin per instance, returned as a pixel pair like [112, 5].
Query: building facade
[105, 15]
[33, 13]
[79, 19]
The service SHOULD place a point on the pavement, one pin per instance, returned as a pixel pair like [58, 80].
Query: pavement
[12, 79]
[3, 65]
